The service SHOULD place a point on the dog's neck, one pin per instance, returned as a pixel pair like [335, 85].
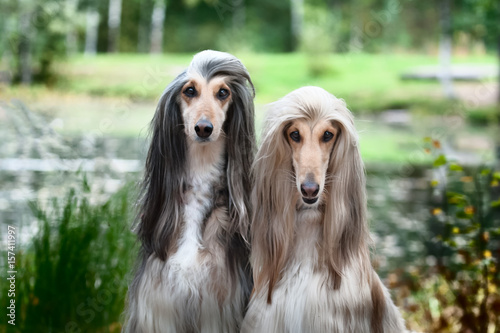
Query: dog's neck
[308, 228]
[308, 214]
[205, 171]
[206, 159]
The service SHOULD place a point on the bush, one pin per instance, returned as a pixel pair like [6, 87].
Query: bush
[484, 117]
[458, 290]
[73, 276]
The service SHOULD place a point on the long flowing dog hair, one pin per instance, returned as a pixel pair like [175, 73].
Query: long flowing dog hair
[159, 216]
[314, 255]
[345, 232]
[159, 221]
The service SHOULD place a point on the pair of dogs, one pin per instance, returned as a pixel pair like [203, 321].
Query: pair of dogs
[299, 205]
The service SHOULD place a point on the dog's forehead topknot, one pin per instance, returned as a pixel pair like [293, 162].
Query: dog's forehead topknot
[313, 103]
[205, 60]
[211, 63]
[210, 55]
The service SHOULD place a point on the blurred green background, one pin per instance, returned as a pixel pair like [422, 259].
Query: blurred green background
[79, 82]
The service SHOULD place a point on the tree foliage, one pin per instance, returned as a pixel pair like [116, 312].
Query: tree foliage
[34, 32]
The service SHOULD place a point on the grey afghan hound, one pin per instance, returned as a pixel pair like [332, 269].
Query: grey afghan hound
[193, 273]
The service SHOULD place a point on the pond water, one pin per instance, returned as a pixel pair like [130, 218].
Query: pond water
[37, 164]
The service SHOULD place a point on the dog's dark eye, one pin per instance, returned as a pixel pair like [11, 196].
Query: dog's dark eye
[223, 94]
[295, 136]
[190, 92]
[327, 136]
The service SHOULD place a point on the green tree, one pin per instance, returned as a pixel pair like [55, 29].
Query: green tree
[34, 36]
[480, 18]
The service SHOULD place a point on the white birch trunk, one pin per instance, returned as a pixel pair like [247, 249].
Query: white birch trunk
[239, 14]
[25, 48]
[356, 32]
[71, 44]
[498, 105]
[91, 31]
[114, 21]
[143, 32]
[297, 18]
[445, 48]
[157, 22]
[498, 78]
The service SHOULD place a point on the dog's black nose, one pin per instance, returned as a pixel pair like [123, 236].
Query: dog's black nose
[204, 128]
[309, 189]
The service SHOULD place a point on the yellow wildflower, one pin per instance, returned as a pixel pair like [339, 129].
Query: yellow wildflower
[466, 179]
[492, 288]
[469, 210]
[437, 211]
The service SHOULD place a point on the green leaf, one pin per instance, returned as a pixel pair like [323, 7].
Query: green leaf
[85, 184]
[434, 307]
[495, 203]
[485, 172]
[455, 167]
[455, 198]
[496, 175]
[441, 160]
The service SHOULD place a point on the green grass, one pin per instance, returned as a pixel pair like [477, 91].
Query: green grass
[126, 75]
[382, 144]
[366, 81]
[116, 95]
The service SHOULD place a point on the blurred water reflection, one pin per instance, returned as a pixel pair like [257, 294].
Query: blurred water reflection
[37, 164]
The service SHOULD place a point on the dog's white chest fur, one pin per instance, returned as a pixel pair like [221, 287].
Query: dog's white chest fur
[304, 300]
[198, 200]
[179, 295]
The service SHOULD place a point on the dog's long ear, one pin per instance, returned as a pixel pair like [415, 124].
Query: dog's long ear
[272, 227]
[345, 232]
[160, 214]
[240, 145]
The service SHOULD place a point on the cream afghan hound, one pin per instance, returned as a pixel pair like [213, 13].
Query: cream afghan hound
[193, 273]
[310, 239]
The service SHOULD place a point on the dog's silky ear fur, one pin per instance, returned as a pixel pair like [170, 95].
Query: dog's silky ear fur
[272, 226]
[159, 213]
[345, 229]
[239, 129]
[240, 145]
